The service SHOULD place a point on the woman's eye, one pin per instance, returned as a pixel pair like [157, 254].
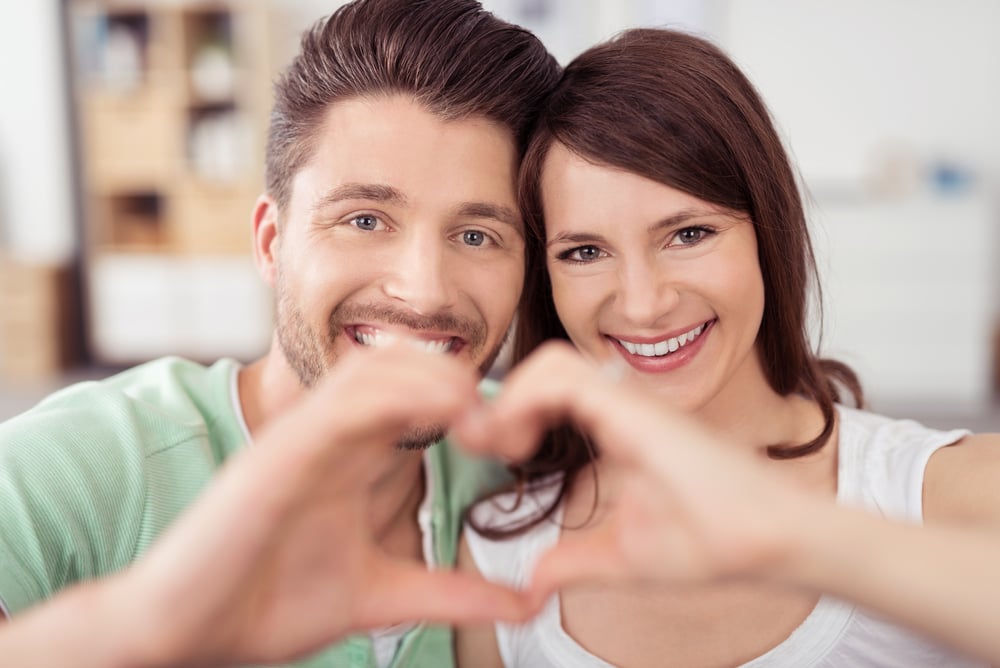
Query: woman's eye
[473, 238]
[581, 254]
[692, 235]
[365, 222]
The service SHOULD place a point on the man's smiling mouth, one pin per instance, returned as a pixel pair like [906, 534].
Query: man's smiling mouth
[374, 337]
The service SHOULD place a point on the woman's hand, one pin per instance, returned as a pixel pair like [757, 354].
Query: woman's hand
[692, 507]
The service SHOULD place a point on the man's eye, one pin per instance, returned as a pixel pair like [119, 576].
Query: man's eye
[365, 222]
[473, 238]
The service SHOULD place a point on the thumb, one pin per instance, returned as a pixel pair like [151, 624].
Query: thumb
[404, 591]
[573, 560]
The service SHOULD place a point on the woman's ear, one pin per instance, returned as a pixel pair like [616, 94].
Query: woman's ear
[265, 237]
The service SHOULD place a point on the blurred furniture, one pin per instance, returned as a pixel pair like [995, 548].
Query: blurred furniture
[37, 315]
[172, 102]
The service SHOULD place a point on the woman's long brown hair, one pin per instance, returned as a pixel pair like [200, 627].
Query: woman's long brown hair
[673, 108]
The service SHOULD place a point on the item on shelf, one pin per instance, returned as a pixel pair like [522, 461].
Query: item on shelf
[169, 173]
[213, 77]
[218, 143]
[121, 58]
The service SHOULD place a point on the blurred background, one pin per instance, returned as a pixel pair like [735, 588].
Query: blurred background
[131, 143]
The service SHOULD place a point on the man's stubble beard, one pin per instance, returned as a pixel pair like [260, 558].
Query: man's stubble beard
[310, 359]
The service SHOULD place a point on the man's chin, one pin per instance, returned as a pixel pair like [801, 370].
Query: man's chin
[420, 438]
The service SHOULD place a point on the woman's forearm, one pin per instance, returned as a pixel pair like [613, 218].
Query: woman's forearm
[943, 582]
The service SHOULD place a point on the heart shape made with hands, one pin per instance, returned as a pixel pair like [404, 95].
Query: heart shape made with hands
[685, 506]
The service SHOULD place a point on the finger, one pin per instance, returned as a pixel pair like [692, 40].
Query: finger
[535, 397]
[577, 560]
[409, 592]
[378, 400]
[557, 386]
[550, 391]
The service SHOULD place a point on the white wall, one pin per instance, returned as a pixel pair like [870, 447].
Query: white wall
[36, 206]
[848, 78]
[870, 96]
[567, 27]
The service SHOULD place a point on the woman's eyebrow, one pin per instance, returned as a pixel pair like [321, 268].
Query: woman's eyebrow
[674, 220]
[575, 237]
[680, 218]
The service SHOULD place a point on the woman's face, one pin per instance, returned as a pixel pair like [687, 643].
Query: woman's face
[666, 281]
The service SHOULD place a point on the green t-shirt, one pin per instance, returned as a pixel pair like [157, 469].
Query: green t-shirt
[93, 474]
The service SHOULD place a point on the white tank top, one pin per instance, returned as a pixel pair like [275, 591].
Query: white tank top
[881, 466]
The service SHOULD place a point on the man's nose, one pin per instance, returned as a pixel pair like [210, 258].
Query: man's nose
[419, 275]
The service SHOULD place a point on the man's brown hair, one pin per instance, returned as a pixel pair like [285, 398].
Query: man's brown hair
[452, 56]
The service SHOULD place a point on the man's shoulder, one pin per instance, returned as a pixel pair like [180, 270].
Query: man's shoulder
[90, 476]
[148, 407]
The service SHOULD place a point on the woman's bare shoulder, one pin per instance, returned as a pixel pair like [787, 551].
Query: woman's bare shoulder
[962, 482]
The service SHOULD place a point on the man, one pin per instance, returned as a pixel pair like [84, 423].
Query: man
[390, 210]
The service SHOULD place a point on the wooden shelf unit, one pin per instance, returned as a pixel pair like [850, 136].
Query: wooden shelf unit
[172, 101]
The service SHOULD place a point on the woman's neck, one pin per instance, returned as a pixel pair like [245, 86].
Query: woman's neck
[748, 414]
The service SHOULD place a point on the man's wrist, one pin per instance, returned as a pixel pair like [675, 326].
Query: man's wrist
[86, 626]
[113, 604]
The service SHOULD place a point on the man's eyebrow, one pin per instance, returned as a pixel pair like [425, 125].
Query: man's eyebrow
[371, 191]
[498, 212]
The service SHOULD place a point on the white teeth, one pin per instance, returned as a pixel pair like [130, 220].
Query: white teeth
[664, 347]
[432, 346]
[379, 339]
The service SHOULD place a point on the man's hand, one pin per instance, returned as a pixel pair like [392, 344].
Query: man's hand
[277, 558]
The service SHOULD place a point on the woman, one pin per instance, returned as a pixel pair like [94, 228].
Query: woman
[660, 199]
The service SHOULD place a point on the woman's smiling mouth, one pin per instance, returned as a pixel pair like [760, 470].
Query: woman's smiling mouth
[664, 354]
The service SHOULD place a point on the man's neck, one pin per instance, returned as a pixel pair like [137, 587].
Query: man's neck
[268, 386]
[395, 504]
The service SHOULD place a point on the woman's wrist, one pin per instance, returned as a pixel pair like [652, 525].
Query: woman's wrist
[832, 548]
[801, 540]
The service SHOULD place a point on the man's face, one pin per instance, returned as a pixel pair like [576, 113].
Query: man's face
[400, 222]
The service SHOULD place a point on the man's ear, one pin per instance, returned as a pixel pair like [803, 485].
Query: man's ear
[265, 237]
